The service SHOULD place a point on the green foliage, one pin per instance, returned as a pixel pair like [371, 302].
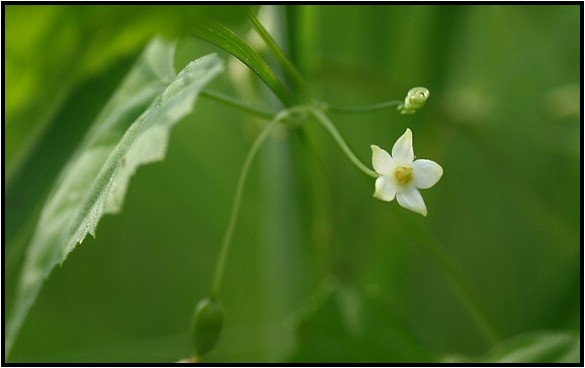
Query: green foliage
[532, 347]
[538, 347]
[503, 120]
[62, 65]
[78, 42]
[284, 61]
[221, 36]
[132, 130]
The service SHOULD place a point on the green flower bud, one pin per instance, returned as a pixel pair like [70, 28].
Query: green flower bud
[415, 99]
[207, 323]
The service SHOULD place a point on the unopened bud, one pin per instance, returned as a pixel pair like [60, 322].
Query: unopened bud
[207, 323]
[415, 99]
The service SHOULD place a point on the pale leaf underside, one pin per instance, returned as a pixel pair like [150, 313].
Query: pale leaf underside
[132, 130]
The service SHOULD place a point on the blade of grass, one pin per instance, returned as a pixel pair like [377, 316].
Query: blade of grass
[219, 35]
[288, 66]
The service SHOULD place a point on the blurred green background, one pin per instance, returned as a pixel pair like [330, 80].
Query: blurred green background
[319, 270]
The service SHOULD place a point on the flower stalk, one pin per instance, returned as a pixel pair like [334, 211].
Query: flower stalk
[362, 109]
[238, 200]
[320, 117]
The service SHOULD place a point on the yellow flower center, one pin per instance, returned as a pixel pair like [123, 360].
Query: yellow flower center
[403, 174]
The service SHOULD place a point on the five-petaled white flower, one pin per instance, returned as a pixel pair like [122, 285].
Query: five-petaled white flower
[401, 176]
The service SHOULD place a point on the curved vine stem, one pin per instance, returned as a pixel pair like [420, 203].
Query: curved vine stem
[362, 109]
[238, 200]
[327, 124]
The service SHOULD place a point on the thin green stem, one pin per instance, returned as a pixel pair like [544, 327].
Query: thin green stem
[362, 109]
[237, 202]
[238, 104]
[327, 124]
[303, 38]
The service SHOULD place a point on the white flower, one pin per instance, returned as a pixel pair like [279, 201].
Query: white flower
[401, 176]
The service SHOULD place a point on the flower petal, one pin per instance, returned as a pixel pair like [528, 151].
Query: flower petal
[412, 200]
[385, 189]
[402, 150]
[381, 161]
[426, 173]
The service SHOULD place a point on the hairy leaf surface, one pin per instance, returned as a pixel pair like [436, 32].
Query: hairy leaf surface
[131, 130]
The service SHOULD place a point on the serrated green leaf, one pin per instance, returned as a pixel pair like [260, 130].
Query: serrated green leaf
[131, 130]
[223, 37]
